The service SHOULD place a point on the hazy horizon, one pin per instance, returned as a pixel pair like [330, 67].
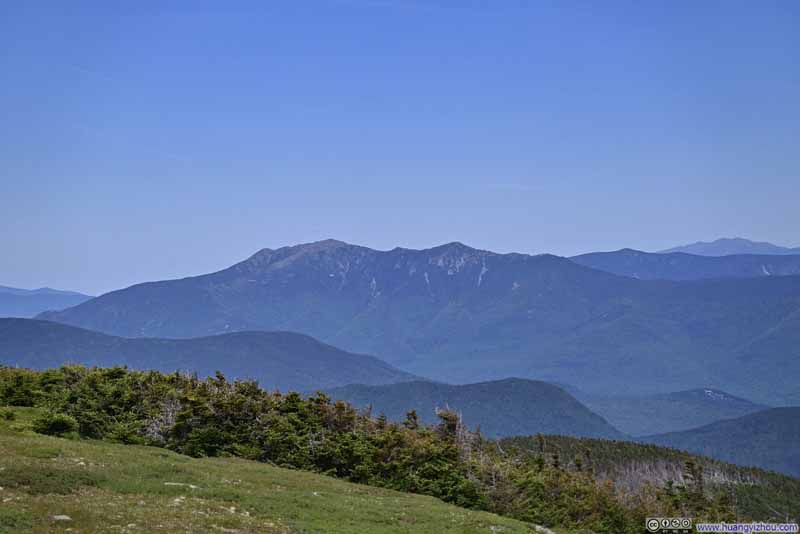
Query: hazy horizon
[144, 143]
[236, 260]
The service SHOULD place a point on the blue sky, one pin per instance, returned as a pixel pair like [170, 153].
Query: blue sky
[170, 139]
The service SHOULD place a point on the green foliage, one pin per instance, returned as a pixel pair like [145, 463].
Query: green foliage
[13, 520]
[7, 414]
[660, 481]
[135, 486]
[55, 424]
[215, 417]
[767, 439]
[17, 388]
[555, 497]
[412, 420]
[126, 429]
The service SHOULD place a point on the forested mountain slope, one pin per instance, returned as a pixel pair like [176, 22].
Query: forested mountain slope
[499, 408]
[769, 439]
[458, 314]
[682, 266]
[281, 360]
[668, 412]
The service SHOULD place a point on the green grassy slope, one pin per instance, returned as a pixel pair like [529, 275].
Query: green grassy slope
[106, 487]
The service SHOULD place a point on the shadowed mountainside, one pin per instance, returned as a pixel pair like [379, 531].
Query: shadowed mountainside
[732, 245]
[669, 412]
[769, 439]
[458, 314]
[16, 302]
[500, 408]
[278, 360]
[682, 266]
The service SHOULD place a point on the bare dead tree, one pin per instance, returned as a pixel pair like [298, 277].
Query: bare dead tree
[158, 427]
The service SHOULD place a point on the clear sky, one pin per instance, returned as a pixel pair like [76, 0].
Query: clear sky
[170, 139]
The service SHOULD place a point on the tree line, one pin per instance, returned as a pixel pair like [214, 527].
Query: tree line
[218, 417]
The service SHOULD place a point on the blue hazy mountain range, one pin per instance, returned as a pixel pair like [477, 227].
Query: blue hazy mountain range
[767, 439]
[15, 302]
[683, 266]
[667, 412]
[727, 246]
[500, 408]
[461, 315]
[278, 360]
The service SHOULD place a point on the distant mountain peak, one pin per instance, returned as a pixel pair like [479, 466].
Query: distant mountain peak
[40, 291]
[684, 266]
[503, 407]
[324, 244]
[715, 394]
[767, 439]
[710, 394]
[459, 314]
[313, 246]
[454, 246]
[451, 256]
[729, 246]
[455, 257]
[15, 302]
[267, 256]
[277, 359]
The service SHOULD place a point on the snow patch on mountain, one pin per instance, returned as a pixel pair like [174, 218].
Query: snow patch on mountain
[715, 395]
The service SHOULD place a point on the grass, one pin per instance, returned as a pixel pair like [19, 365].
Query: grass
[105, 487]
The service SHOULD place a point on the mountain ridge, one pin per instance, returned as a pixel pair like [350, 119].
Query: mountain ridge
[681, 266]
[506, 407]
[444, 312]
[278, 360]
[669, 412]
[767, 439]
[39, 291]
[726, 246]
[26, 303]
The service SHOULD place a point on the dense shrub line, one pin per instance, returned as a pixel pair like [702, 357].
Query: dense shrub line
[217, 417]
